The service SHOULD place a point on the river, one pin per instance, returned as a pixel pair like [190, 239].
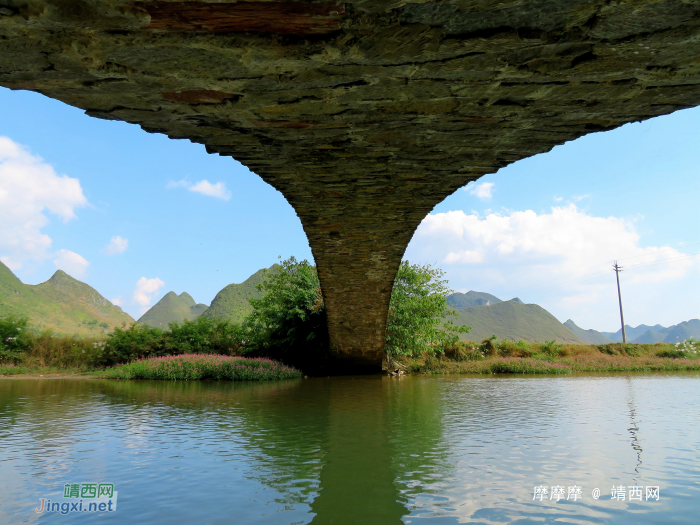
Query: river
[366, 450]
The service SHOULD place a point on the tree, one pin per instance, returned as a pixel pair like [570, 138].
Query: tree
[418, 312]
[14, 338]
[289, 321]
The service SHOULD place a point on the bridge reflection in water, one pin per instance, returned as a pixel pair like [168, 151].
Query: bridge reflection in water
[348, 451]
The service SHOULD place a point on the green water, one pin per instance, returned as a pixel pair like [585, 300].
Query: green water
[370, 450]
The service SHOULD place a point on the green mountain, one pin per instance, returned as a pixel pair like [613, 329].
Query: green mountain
[645, 334]
[514, 320]
[472, 298]
[634, 332]
[172, 308]
[232, 302]
[590, 336]
[683, 331]
[62, 304]
[650, 337]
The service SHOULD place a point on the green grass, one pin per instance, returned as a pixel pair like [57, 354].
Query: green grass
[193, 367]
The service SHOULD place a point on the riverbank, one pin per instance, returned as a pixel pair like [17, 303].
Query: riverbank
[488, 357]
[525, 365]
[42, 372]
[507, 357]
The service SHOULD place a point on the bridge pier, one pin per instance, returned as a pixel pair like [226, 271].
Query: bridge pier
[356, 265]
[358, 234]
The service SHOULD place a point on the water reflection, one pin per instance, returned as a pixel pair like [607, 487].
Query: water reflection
[634, 428]
[348, 451]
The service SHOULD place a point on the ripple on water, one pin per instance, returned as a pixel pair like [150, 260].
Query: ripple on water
[363, 450]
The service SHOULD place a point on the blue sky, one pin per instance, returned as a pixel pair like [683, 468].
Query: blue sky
[136, 215]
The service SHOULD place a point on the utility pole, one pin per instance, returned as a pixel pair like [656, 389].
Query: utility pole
[618, 269]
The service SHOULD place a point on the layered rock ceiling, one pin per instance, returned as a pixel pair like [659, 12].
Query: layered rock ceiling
[365, 113]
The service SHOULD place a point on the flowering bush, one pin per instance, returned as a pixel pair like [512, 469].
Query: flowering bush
[188, 367]
[688, 349]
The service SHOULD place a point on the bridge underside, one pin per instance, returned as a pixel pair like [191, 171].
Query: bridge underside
[366, 113]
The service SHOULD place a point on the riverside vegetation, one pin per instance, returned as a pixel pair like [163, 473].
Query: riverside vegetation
[287, 324]
[510, 357]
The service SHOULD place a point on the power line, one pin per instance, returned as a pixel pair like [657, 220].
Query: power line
[537, 286]
[601, 274]
[657, 251]
[683, 258]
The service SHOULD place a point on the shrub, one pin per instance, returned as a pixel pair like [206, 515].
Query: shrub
[417, 312]
[524, 349]
[551, 348]
[14, 339]
[128, 344]
[463, 351]
[488, 346]
[289, 321]
[203, 335]
[65, 351]
[507, 347]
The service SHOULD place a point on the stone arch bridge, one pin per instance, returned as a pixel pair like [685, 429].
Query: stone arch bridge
[364, 113]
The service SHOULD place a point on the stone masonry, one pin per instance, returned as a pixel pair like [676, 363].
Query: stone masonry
[366, 113]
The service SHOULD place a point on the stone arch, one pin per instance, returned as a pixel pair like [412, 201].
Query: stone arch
[366, 113]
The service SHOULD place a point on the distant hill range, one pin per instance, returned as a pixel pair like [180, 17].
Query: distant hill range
[62, 304]
[641, 334]
[485, 313]
[71, 307]
[232, 303]
[507, 319]
[590, 336]
[472, 298]
[172, 308]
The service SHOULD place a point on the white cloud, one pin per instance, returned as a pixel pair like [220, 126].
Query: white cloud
[204, 187]
[145, 290]
[483, 191]
[10, 263]
[560, 260]
[217, 190]
[118, 301]
[70, 262]
[29, 187]
[178, 184]
[116, 245]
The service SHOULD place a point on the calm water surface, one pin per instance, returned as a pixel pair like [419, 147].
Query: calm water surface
[355, 451]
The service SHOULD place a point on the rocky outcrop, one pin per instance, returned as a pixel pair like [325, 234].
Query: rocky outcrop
[365, 114]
